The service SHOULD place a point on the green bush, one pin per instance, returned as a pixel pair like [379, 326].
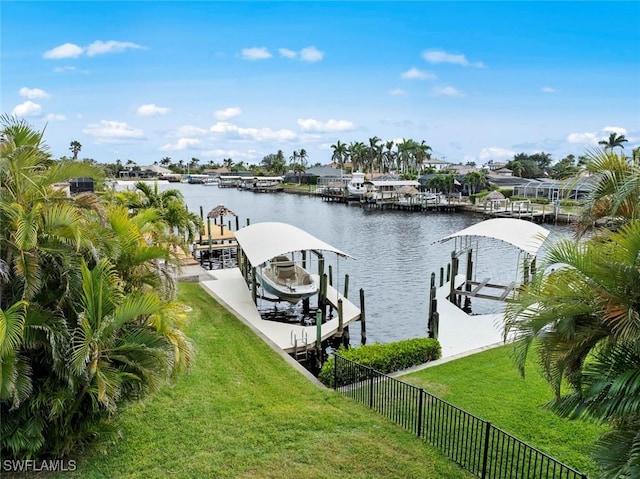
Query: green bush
[385, 358]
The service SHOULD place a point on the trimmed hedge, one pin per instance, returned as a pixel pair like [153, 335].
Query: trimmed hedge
[385, 358]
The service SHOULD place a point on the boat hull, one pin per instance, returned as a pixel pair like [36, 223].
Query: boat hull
[298, 286]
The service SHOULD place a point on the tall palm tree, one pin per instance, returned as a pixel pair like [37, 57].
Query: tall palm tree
[389, 156]
[613, 141]
[75, 148]
[339, 153]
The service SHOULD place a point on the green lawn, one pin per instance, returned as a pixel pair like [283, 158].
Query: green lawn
[243, 412]
[489, 386]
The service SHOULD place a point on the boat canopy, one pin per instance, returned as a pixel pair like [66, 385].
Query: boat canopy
[263, 241]
[525, 235]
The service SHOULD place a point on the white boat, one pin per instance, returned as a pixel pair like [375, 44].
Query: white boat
[270, 249]
[356, 187]
[211, 181]
[288, 281]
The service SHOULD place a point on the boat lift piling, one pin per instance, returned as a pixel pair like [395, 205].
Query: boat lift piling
[363, 322]
[346, 286]
[434, 317]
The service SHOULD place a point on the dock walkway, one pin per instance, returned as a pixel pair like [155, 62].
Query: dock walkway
[230, 289]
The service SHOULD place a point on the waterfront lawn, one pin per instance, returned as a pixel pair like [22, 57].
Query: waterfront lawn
[489, 386]
[244, 412]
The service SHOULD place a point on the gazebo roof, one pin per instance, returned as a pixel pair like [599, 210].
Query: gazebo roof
[220, 210]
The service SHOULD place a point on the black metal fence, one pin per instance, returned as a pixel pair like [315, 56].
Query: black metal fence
[475, 444]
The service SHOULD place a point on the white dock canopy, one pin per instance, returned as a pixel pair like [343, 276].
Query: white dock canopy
[525, 235]
[263, 241]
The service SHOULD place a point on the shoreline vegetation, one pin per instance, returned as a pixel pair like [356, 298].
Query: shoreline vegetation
[242, 411]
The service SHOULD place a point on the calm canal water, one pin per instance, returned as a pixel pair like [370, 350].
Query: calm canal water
[395, 251]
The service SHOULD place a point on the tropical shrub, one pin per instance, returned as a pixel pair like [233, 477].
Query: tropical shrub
[385, 358]
[581, 316]
[85, 322]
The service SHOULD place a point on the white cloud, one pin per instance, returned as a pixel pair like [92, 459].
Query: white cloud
[100, 48]
[33, 93]
[583, 138]
[66, 50]
[447, 91]
[615, 129]
[152, 110]
[414, 73]
[440, 56]
[181, 144]
[113, 132]
[548, 89]
[285, 52]
[63, 69]
[258, 134]
[310, 124]
[188, 131]
[71, 50]
[255, 53]
[55, 117]
[227, 113]
[496, 153]
[397, 92]
[311, 54]
[28, 108]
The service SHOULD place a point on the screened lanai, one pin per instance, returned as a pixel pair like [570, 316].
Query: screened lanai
[572, 189]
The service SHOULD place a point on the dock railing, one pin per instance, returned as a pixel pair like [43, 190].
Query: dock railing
[477, 445]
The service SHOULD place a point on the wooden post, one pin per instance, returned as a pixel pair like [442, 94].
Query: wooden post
[448, 272]
[202, 220]
[210, 243]
[248, 221]
[363, 320]
[454, 273]
[441, 276]
[467, 299]
[237, 223]
[432, 293]
[254, 286]
[525, 279]
[340, 319]
[330, 276]
[319, 334]
[346, 286]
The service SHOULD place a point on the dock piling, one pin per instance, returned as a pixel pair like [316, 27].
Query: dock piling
[346, 286]
[363, 322]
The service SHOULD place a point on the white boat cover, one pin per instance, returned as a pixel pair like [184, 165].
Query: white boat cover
[263, 241]
[526, 235]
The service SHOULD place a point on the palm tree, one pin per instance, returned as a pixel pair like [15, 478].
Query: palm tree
[64, 368]
[615, 191]
[75, 148]
[389, 156]
[339, 153]
[166, 161]
[583, 319]
[613, 141]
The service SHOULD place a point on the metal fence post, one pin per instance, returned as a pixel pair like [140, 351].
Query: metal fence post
[335, 372]
[420, 401]
[485, 454]
[371, 388]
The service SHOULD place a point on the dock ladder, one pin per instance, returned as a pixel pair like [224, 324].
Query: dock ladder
[300, 355]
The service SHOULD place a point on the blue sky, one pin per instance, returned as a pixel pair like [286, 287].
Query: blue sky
[476, 81]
